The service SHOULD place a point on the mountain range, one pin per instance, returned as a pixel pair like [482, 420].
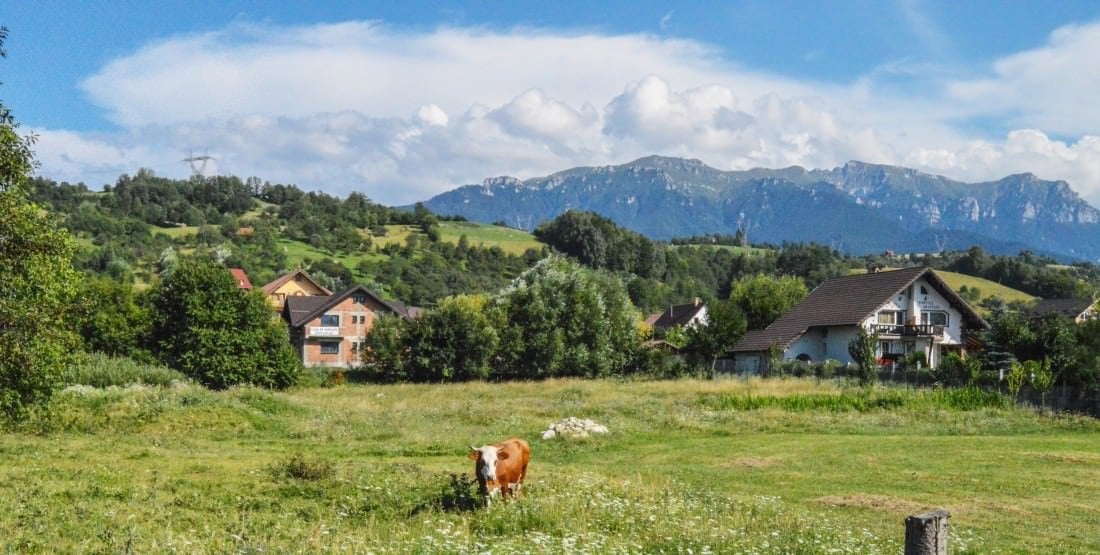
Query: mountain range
[857, 208]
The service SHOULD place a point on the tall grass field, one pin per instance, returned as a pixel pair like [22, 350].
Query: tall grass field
[725, 466]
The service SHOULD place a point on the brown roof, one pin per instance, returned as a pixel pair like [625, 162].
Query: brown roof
[1066, 307]
[301, 309]
[279, 281]
[847, 300]
[678, 315]
[241, 278]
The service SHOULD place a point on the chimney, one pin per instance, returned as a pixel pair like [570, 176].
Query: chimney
[696, 301]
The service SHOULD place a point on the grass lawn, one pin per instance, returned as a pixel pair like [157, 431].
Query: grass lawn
[363, 468]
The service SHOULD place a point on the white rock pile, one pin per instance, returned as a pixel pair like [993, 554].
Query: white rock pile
[573, 427]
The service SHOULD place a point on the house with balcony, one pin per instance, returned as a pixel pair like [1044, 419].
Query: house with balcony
[328, 330]
[911, 309]
[292, 284]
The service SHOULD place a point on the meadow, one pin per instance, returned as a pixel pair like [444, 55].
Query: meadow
[690, 466]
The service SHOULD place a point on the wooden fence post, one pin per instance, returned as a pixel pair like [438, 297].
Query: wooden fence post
[926, 533]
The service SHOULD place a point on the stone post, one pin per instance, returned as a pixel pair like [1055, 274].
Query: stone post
[926, 533]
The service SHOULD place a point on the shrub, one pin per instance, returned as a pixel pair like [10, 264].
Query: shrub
[100, 370]
[205, 327]
[299, 467]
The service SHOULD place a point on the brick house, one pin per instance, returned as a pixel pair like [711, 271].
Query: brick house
[327, 330]
[292, 284]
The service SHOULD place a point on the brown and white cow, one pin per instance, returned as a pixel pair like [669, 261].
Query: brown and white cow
[501, 468]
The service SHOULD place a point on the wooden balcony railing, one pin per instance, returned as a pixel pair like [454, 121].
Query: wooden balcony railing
[908, 330]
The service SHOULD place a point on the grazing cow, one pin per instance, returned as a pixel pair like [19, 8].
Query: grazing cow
[501, 468]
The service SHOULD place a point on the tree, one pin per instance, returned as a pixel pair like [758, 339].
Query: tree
[38, 281]
[725, 325]
[207, 328]
[765, 298]
[1015, 379]
[862, 349]
[385, 351]
[1042, 379]
[453, 342]
[560, 319]
[112, 319]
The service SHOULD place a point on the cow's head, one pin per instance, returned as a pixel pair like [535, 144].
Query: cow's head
[487, 457]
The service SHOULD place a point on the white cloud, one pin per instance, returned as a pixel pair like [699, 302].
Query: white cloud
[402, 115]
[1052, 87]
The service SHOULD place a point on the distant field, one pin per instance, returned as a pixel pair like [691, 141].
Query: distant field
[750, 251]
[297, 251]
[509, 240]
[175, 232]
[987, 288]
[513, 241]
[726, 466]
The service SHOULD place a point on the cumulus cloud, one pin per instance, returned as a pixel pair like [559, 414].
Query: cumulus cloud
[1051, 87]
[402, 115]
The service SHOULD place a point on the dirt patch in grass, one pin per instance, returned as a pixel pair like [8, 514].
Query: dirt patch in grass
[868, 501]
[752, 462]
[1072, 458]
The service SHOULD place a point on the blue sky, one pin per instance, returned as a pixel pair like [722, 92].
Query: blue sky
[404, 100]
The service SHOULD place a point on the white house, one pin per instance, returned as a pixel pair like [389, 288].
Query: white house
[909, 310]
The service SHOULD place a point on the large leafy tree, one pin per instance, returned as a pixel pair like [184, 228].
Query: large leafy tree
[764, 298]
[560, 319]
[205, 327]
[37, 281]
[725, 325]
[453, 342]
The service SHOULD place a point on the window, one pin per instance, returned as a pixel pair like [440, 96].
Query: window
[936, 318]
[330, 348]
[330, 320]
[890, 317]
[884, 348]
[359, 298]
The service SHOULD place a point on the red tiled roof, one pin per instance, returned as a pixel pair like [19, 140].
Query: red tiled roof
[241, 278]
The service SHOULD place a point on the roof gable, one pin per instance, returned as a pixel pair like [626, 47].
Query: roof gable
[278, 282]
[1072, 308]
[301, 310]
[678, 315]
[848, 300]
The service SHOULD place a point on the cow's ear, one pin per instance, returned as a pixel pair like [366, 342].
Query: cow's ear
[473, 454]
[502, 455]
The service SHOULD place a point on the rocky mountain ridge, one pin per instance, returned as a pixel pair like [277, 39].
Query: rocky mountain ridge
[857, 207]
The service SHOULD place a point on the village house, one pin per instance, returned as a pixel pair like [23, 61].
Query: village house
[908, 310]
[292, 284]
[679, 315]
[1080, 310]
[328, 330]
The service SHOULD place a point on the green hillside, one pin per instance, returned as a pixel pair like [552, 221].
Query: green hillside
[512, 241]
[987, 288]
